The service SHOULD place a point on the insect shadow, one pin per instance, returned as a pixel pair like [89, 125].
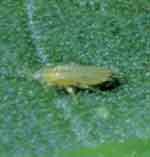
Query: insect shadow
[110, 85]
[106, 86]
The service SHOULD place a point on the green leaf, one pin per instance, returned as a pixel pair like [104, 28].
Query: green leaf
[128, 148]
[37, 120]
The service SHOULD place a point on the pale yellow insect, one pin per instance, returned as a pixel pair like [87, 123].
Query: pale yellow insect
[73, 75]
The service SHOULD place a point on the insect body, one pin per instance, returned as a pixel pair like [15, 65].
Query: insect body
[73, 75]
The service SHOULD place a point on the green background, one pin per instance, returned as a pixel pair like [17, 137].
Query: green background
[35, 121]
